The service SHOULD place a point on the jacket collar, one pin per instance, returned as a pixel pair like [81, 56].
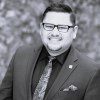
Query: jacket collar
[61, 58]
[62, 76]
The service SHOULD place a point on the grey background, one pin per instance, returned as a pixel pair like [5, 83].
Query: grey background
[19, 25]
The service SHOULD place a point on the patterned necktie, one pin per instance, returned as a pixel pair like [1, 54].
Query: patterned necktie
[41, 87]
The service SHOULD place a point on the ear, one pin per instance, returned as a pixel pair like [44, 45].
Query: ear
[75, 32]
[40, 28]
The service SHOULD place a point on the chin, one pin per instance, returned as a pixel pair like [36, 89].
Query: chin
[54, 48]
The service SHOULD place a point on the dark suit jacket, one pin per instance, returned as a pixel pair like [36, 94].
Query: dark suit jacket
[79, 78]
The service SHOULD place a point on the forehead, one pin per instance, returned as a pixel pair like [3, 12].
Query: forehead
[57, 18]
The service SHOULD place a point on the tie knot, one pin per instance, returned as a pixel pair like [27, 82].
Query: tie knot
[51, 58]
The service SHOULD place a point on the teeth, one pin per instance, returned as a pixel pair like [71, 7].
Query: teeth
[55, 39]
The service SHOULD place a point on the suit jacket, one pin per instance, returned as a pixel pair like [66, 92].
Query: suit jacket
[79, 78]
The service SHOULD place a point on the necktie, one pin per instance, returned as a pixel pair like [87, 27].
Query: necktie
[41, 87]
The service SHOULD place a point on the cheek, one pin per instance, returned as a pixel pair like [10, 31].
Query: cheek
[67, 39]
[44, 33]
[67, 36]
[44, 37]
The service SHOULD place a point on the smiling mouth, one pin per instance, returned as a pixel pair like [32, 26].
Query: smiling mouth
[54, 38]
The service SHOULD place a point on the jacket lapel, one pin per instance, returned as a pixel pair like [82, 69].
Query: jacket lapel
[33, 56]
[63, 74]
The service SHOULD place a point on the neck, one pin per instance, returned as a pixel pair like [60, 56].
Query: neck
[57, 53]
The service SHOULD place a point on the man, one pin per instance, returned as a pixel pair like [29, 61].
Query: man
[73, 75]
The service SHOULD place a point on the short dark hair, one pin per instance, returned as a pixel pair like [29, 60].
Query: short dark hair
[60, 8]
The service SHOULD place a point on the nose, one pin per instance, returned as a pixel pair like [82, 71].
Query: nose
[55, 32]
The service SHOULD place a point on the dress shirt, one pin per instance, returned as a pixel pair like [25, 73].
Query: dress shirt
[41, 64]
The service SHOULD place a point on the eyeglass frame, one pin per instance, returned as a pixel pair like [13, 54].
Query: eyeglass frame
[57, 27]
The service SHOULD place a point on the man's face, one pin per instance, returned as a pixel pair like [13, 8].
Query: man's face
[58, 40]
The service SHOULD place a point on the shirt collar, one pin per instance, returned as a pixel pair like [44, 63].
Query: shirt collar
[61, 58]
[44, 54]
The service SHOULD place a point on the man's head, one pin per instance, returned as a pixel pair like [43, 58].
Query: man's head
[58, 28]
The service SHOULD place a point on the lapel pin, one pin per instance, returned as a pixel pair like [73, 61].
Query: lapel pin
[70, 66]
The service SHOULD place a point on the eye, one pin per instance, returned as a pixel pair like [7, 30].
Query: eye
[63, 27]
[48, 27]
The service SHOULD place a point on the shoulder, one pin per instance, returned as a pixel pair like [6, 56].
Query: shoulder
[28, 48]
[26, 51]
[87, 67]
[86, 63]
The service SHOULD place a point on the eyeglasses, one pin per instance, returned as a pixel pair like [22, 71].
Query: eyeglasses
[61, 28]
